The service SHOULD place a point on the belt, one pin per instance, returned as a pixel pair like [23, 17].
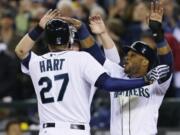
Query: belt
[72, 126]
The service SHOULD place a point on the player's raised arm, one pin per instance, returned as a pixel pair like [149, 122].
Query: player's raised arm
[28, 41]
[155, 24]
[98, 27]
[87, 41]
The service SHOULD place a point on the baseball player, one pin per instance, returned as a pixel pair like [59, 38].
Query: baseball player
[136, 111]
[63, 78]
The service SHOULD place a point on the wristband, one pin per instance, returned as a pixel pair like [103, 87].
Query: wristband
[156, 28]
[83, 32]
[35, 33]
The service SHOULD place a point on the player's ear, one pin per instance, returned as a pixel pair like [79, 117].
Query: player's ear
[145, 62]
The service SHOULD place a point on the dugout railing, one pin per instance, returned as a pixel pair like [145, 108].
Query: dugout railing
[168, 122]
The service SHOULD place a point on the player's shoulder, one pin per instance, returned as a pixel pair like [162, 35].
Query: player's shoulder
[81, 54]
[31, 56]
[69, 54]
[86, 54]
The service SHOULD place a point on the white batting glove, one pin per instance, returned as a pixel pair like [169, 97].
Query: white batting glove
[156, 73]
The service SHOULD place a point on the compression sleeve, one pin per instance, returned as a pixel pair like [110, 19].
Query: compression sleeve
[107, 83]
[92, 48]
[165, 58]
[96, 52]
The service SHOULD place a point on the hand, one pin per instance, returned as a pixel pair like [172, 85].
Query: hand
[74, 22]
[51, 14]
[156, 11]
[156, 73]
[97, 25]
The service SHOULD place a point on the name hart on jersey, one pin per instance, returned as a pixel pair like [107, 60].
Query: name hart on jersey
[51, 65]
[141, 92]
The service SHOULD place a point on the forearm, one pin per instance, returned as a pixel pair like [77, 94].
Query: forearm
[112, 54]
[165, 57]
[110, 49]
[163, 48]
[27, 42]
[89, 45]
[107, 41]
[164, 53]
[85, 37]
[24, 46]
[88, 41]
[107, 83]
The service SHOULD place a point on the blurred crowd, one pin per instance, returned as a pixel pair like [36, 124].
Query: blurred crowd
[126, 22]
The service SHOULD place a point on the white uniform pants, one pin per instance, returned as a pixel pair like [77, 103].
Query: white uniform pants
[64, 128]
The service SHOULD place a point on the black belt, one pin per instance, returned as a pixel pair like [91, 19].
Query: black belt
[72, 126]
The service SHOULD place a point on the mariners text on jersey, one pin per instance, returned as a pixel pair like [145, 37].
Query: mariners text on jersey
[142, 92]
[51, 65]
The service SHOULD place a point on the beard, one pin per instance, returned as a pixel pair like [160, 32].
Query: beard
[131, 70]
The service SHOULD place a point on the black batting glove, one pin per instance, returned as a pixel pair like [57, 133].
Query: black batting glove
[156, 28]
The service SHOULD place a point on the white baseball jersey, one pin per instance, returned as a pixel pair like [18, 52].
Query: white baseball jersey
[135, 112]
[62, 82]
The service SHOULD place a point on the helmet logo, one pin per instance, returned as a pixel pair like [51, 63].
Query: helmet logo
[58, 40]
[143, 51]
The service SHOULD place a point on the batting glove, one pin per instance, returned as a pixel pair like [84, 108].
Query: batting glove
[156, 74]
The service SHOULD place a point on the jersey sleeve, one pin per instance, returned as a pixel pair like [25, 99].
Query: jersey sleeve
[162, 87]
[112, 54]
[114, 69]
[26, 62]
[91, 69]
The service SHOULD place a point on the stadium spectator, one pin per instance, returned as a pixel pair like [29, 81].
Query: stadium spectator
[172, 18]
[8, 31]
[21, 18]
[66, 7]
[8, 71]
[175, 46]
[119, 8]
[13, 128]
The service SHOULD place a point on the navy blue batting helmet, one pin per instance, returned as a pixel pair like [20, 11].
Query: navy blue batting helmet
[143, 49]
[58, 32]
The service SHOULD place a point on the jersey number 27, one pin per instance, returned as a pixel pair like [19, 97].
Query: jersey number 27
[47, 89]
